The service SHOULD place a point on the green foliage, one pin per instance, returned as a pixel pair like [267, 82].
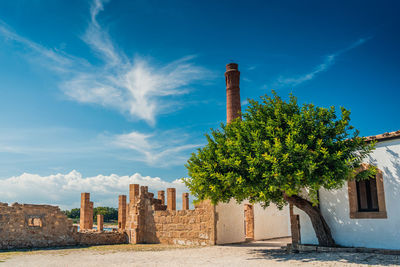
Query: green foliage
[279, 147]
[73, 213]
[110, 214]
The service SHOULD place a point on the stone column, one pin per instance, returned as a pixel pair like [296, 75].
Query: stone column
[294, 226]
[161, 196]
[171, 198]
[91, 204]
[121, 212]
[233, 106]
[85, 210]
[133, 193]
[100, 222]
[249, 221]
[185, 201]
[144, 190]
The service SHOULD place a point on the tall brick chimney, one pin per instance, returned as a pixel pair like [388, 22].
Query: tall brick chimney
[232, 77]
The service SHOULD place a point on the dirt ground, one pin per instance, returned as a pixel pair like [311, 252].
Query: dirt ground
[260, 253]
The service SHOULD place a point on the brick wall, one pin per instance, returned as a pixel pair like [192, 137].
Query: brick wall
[28, 226]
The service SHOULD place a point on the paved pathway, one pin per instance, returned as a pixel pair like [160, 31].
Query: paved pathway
[261, 253]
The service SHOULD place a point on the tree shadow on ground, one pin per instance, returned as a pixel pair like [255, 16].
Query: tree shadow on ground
[281, 255]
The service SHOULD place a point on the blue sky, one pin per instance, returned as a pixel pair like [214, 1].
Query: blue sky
[130, 87]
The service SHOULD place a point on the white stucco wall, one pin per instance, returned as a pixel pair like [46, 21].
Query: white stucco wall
[268, 223]
[271, 222]
[230, 223]
[372, 233]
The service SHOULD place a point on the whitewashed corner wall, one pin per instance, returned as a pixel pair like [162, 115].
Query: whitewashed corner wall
[370, 233]
[230, 223]
[271, 222]
[268, 223]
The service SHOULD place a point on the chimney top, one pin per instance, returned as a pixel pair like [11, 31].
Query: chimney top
[231, 66]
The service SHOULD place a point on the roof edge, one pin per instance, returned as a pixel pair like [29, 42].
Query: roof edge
[384, 136]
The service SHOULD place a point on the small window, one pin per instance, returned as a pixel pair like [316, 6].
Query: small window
[35, 222]
[367, 197]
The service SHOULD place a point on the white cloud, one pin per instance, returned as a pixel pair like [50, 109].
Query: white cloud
[132, 86]
[55, 59]
[98, 39]
[329, 60]
[49, 145]
[135, 87]
[160, 149]
[64, 189]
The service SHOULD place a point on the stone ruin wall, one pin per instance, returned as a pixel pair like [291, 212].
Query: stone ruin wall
[95, 238]
[186, 227]
[35, 226]
[29, 225]
[149, 220]
[144, 219]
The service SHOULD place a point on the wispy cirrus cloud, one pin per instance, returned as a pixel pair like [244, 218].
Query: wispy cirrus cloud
[98, 39]
[329, 60]
[134, 86]
[156, 149]
[161, 149]
[53, 58]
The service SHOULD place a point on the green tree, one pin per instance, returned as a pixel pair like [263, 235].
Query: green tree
[73, 213]
[109, 213]
[280, 153]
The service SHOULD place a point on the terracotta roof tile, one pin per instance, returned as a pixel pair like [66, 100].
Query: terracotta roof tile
[384, 136]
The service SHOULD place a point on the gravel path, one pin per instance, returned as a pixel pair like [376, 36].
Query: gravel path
[261, 253]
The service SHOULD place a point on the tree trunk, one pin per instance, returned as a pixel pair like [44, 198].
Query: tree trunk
[319, 224]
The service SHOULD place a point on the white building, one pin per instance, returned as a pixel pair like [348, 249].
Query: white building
[235, 223]
[364, 214]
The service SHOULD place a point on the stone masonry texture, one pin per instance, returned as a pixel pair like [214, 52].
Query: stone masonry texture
[171, 198]
[122, 212]
[85, 211]
[161, 196]
[100, 222]
[133, 192]
[185, 201]
[91, 205]
[186, 227]
[150, 221]
[35, 226]
[249, 220]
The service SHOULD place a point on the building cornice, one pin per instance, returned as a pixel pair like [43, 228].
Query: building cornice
[384, 136]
